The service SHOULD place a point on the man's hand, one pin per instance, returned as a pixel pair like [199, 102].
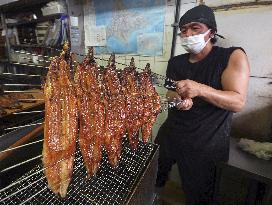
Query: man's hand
[188, 88]
[180, 104]
[185, 104]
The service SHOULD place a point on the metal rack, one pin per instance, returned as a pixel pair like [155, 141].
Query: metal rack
[158, 79]
[165, 104]
[108, 187]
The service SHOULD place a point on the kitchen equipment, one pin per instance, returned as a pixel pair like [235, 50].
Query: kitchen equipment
[131, 183]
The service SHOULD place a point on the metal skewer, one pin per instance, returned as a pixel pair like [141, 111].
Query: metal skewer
[19, 164]
[21, 74]
[21, 91]
[30, 85]
[30, 112]
[28, 125]
[18, 147]
[31, 99]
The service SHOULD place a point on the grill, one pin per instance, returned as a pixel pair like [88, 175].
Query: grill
[132, 182]
[123, 185]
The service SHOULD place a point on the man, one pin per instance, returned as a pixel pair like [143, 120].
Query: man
[210, 85]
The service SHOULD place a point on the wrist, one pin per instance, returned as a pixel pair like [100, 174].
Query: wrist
[202, 90]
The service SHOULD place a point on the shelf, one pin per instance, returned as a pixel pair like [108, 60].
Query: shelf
[35, 21]
[22, 4]
[3, 60]
[34, 46]
[28, 65]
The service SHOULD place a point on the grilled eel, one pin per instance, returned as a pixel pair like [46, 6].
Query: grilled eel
[92, 115]
[151, 101]
[115, 113]
[134, 104]
[60, 128]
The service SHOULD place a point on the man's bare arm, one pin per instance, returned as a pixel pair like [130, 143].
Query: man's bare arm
[234, 81]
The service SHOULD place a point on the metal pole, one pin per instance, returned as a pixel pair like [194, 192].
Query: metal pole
[175, 28]
[3, 19]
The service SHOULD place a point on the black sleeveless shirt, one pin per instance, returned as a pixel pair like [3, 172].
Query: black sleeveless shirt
[204, 126]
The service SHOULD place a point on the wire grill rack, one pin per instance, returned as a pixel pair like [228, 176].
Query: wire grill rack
[108, 187]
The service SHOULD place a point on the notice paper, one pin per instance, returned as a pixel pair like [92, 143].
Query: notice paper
[74, 21]
[95, 36]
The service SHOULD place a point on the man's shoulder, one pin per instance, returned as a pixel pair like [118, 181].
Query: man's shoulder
[178, 57]
[228, 49]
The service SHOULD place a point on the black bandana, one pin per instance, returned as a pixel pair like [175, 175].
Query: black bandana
[201, 14]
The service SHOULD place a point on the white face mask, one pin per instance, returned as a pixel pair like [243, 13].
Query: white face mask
[195, 44]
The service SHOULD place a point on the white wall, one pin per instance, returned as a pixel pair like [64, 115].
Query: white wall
[248, 25]
[251, 28]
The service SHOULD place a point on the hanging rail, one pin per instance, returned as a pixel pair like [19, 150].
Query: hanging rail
[166, 104]
[158, 76]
